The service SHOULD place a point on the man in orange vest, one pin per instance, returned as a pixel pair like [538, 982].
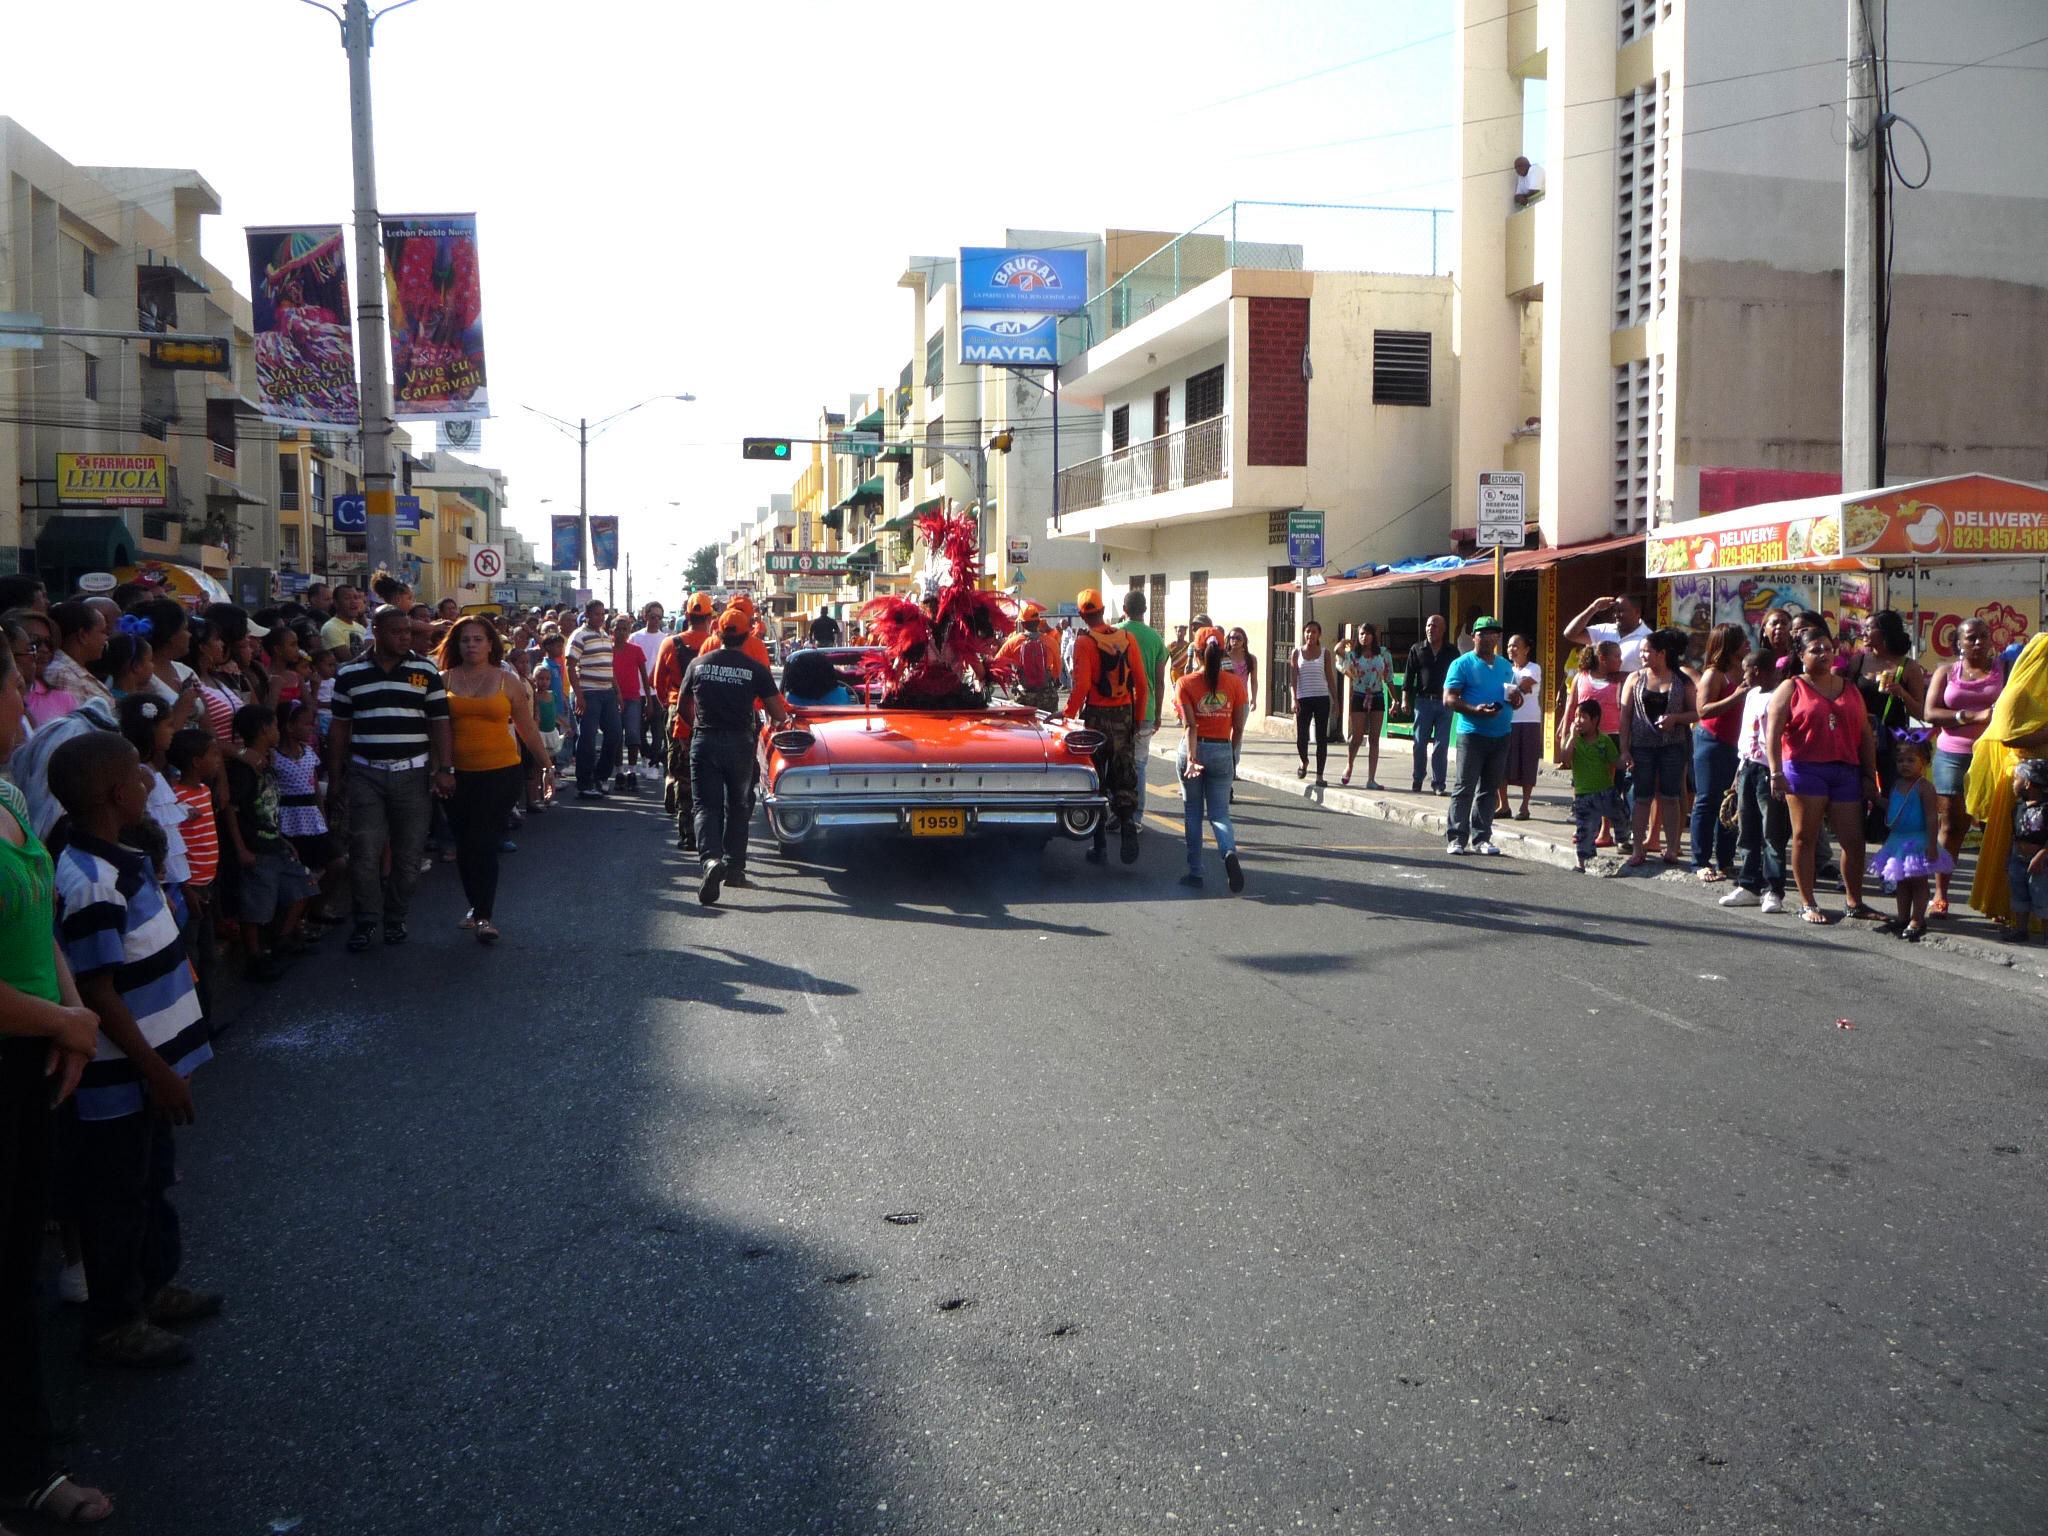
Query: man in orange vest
[1037, 677]
[676, 653]
[1109, 696]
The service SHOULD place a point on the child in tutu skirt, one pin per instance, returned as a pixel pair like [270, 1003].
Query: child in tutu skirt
[1911, 856]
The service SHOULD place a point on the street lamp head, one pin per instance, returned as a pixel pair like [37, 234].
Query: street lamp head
[686, 397]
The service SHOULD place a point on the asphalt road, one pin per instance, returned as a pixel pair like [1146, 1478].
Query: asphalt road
[1401, 1193]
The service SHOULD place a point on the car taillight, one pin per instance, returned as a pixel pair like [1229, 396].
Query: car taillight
[1086, 743]
[792, 743]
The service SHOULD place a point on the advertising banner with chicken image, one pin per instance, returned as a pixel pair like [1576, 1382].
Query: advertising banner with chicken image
[437, 332]
[305, 352]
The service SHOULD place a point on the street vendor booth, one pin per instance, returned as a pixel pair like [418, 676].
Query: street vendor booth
[188, 584]
[1938, 551]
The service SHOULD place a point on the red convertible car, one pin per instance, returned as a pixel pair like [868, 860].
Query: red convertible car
[928, 773]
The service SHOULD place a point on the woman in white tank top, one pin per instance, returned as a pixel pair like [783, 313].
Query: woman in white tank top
[1315, 682]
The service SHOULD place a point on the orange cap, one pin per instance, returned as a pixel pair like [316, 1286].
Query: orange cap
[742, 602]
[735, 620]
[1088, 600]
[1204, 635]
[701, 603]
[1028, 611]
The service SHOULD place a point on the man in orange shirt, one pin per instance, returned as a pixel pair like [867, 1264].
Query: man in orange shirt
[676, 653]
[755, 646]
[1108, 696]
[1037, 677]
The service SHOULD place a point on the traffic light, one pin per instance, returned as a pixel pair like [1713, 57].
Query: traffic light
[1000, 443]
[776, 448]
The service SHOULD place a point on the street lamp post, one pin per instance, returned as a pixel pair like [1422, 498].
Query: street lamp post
[583, 430]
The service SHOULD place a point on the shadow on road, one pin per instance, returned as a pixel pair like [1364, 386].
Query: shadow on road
[456, 1199]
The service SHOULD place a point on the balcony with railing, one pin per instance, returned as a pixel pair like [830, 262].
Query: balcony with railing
[1194, 455]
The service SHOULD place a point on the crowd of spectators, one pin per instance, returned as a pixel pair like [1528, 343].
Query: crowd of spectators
[191, 800]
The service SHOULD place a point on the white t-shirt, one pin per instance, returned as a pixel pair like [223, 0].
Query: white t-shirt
[1529, 185]
[1752, 737]
[1631, 643]
[1530, 711]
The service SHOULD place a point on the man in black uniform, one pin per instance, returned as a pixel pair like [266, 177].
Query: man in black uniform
[720, 690]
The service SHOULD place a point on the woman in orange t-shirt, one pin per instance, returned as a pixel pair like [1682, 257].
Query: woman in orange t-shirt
[1213, 703]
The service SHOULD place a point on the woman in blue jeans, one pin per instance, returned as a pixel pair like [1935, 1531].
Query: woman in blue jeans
[1713, 751]
[1213, 703]
[1658, 705]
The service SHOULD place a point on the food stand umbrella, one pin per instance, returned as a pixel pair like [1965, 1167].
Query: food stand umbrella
[188, 584]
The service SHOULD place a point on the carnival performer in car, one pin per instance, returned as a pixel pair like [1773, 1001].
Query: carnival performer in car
[938, 652]
[1109, 696]
[720, 692]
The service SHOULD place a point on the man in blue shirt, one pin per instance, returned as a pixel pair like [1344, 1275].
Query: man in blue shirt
[1480, 692]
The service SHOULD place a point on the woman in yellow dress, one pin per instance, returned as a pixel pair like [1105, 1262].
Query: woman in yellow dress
[2018, 729]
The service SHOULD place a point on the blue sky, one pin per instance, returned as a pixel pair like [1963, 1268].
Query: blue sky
[719, 199]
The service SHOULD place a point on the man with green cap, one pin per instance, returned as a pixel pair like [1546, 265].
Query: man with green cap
[1480, 693]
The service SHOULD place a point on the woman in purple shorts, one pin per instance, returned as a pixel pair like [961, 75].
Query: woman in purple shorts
[1823, 764]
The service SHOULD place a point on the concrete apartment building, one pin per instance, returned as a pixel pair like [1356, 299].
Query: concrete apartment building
[118, 249]
[1236, 383]
[1659, 335]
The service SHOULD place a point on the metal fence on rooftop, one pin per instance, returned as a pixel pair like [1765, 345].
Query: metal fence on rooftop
[1276, 237]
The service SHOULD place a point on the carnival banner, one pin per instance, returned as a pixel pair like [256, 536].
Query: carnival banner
[305, 352]
[604, 543]
[567, 548]
[437, 333]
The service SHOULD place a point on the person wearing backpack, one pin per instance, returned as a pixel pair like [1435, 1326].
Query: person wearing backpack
[1109, 697]
[1033, 656]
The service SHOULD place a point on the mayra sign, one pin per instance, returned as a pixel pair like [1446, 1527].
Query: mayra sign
[112, 479]
[1011, 301]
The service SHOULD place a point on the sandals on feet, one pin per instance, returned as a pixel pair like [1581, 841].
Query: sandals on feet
[1864, 913]
[1938, 907]
[65, 1502]
[1813, 915]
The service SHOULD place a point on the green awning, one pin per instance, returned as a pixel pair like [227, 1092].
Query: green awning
[931, 504]
[834, 519]
[863, 555]
[896, 453]
[869, 422]
[74, 543]
[900, 523]
[870, 490]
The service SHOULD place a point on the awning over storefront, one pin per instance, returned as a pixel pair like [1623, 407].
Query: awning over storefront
[1417, 573]
[218, 489]
[869, 491]
[869, 423]
[76, 542]
[1960, 517]
[834, 519]
[930, 504]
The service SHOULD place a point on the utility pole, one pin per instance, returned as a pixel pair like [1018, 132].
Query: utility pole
[380, 479]
[1861, 255]
[583, 502]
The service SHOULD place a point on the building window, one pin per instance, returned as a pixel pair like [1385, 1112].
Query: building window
[1155, 609]
[935, 463]
[1400, 367]
[1120, 428]
[1205, 395]
[155, 525]
[1276, 527]
[1198, 594]
[935, 359]
[88, 271]
[288, 546]
[92, 378]
[1162, 411]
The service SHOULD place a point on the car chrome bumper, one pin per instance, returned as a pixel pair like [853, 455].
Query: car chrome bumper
[792, 818]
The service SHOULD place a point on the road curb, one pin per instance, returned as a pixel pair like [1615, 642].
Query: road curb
[2030, 961]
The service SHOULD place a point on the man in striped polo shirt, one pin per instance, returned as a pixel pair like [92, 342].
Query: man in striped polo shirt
[388, 753]
[597, 703]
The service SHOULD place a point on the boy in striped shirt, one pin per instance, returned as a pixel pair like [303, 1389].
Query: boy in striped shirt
[122, 944]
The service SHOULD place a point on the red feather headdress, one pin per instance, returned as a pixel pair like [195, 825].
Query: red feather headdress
[946, 642]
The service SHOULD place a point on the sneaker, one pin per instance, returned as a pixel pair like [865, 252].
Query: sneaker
[394, 933]
[1192, 881]
[1742, 896]
[359, 940]
[714, 877]
[1233, 871]
[182, 1304]
[1456, 850]
[1097, 853]
[138, 1345]
[71, 1285]
[1127, 843]
[736, 879]
[1490, 849]
[1772, 902]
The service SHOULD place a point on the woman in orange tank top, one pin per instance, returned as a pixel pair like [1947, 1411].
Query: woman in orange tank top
[490, 716]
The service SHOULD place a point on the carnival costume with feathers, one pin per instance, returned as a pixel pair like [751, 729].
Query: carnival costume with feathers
[936, 651]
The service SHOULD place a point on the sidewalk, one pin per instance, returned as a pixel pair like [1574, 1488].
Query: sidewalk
[1547, 838]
